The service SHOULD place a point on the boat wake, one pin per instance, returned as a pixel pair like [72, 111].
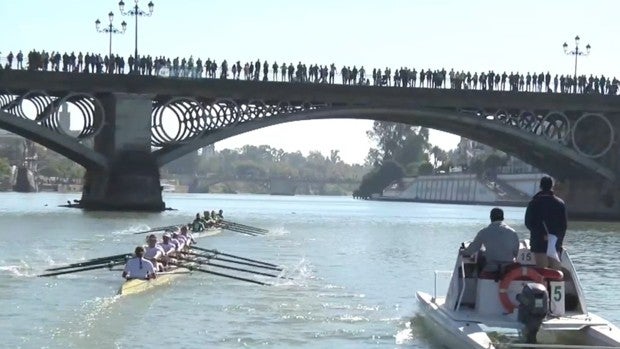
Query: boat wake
[404, 336]
[132, 229]
[278, 231]
[299, 275]
[20, 270]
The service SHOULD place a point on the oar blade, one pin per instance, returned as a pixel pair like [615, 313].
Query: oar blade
[107, 265]
[91, 262]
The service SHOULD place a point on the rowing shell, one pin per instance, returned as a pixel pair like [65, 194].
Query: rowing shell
[139, 285]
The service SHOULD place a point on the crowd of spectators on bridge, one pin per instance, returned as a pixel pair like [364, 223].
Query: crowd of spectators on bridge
[327, 74]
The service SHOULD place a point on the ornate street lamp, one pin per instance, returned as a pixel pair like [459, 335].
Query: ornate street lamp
[576, 52]
[136, 12]
[110, 30]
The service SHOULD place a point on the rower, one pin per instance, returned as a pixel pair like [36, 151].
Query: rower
[207, 221]
[197, 224]
[139, 267]
[220, 215]
[188, 236]
[214, 218]
[167, 245]
[154, 252]
[178, 240]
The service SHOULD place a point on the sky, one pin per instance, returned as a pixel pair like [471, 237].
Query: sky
[473, 35]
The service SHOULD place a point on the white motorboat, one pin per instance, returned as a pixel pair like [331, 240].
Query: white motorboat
[524, 307]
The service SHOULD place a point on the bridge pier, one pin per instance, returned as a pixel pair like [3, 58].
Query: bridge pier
[131, 180]
[587, 199]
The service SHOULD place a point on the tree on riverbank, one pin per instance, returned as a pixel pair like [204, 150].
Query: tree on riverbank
[249, 168]
[399, 147]
[5, 174]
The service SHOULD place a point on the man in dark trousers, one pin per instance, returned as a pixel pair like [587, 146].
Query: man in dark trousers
[546, 214]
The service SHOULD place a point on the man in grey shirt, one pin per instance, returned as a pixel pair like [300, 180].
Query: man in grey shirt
[500, 242]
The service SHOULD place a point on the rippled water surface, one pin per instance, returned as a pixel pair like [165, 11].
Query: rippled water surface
[355, 266]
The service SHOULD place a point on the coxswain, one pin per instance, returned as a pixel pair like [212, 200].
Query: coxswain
[197, 224]
[188, 236]
[139, 267]
[154, 252]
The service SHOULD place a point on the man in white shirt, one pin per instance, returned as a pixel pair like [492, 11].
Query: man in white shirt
[189, 239]
[167, 245]
[178, 240]
[154, 252]
[139, 267]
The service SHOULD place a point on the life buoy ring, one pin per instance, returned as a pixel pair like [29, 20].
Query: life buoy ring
[516, 273]
[538, 275]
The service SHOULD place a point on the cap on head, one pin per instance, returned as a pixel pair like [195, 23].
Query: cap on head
[546, 183]
[497, 214]
[166, 235]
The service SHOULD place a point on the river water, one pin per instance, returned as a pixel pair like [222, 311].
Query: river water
[355, 265]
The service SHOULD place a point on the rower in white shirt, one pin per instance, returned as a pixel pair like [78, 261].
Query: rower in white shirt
[154, 252]
[189, 239]
[139, 267]
[167, 245]
[178, 240]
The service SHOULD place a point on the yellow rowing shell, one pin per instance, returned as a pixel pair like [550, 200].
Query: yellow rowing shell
[139, 285]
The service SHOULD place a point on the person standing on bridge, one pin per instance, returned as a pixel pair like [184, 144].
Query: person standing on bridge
[546, 215]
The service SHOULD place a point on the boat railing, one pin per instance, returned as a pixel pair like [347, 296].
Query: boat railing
[462, 276]
[439, 273]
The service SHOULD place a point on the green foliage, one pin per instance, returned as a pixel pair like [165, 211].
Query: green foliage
[5, 173]
[247, 169]
[52, 164]
[377, 179]
[398, 146]
[426, 168]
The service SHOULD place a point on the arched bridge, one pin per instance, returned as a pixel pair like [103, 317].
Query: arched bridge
[140, 123]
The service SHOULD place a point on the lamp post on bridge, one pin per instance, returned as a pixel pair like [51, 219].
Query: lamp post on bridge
[576, 52]
[136, 12]
[111, 30]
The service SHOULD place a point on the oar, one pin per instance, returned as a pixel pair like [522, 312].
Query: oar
[220, 274]
[238, 230]
[232, 255]
[261, 230]
[230, 260]
[93, 261]
[159, 229]
[229, 267]
[108, 265]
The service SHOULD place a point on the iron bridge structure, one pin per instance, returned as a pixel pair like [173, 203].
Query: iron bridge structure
[132, 125]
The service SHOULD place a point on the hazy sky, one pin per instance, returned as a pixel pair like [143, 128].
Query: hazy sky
[481, 35]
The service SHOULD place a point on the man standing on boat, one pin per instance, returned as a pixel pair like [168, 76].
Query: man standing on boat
[139, 267]
[500, 242]
[546, 214]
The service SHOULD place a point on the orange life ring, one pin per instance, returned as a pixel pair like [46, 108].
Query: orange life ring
[523, 272]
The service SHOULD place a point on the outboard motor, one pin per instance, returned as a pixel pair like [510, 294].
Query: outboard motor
[533, 306]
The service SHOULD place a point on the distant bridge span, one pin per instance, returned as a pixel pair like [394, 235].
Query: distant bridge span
[572, 137]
